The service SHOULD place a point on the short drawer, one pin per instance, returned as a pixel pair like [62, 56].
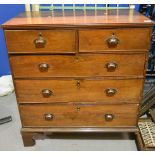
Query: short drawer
[114, 39]
[78, 115]
[78, 66]
[103, 91]
[37, 41]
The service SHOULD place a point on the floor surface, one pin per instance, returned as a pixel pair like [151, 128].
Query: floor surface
[10, 138]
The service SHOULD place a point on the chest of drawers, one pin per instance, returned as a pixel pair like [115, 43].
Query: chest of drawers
[78, 71]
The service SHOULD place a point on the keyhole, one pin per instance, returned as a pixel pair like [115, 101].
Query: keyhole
[78, 108]
[78, 84]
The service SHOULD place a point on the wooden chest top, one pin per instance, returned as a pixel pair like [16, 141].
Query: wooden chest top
[89, 18]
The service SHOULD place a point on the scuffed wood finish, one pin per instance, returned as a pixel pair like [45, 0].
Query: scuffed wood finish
[27, 66]
[79, 18]
[57, 41]
[89, 90]
[87, 116]
[129, 39]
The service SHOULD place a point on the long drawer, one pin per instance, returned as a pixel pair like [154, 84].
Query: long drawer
[114, 39]
[78, 115]
[108, 90]
[77, 66]
[36, 41]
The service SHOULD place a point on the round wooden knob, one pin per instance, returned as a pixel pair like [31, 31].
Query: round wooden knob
[48, 117]
[46, 93]
[110, 91]
[43, 67]
[109, 117]
[113, 40]
[40, 41]
[111, 66]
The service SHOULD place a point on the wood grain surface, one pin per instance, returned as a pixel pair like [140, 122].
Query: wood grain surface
[129, 39]
[34, 115]
[56, 41]
[29, 91]
[27, 66]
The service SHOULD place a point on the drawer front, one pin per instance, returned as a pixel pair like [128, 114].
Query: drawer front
[48, 91]
[69, 115]
[114, 39]
[81, 66]
[47, 41]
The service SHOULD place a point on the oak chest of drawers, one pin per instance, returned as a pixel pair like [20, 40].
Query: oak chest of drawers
[78, 71]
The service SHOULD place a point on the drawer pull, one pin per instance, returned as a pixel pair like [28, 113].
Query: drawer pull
[111, 66]
[43, 67]
[113, 40]
[48, 117]
[47, 93]
[40, 41]
[110, 91]
[109, 117]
